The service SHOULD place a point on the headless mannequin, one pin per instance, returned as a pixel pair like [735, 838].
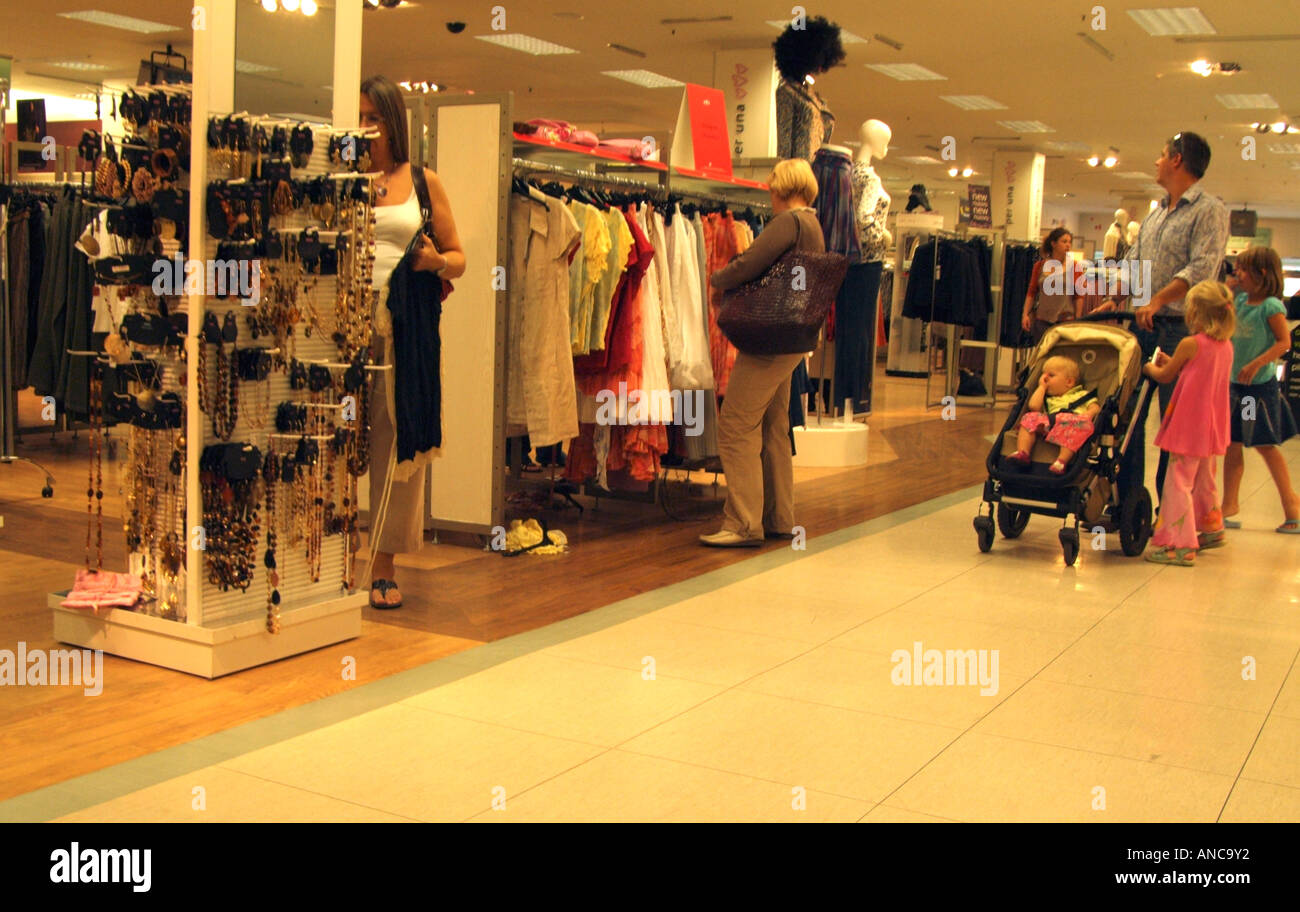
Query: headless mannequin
[1115, 236]
[1133, 229]
[855, 306]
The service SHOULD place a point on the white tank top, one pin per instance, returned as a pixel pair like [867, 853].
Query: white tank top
[394, 228]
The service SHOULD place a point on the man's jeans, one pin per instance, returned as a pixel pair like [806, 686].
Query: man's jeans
[1132, 471]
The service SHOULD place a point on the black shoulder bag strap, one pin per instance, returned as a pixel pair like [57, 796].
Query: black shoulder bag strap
[422, 194]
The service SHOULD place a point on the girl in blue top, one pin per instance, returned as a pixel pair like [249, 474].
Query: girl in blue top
[1260, 418]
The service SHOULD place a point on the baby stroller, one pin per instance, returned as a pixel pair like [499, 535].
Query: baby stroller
[1110, 362]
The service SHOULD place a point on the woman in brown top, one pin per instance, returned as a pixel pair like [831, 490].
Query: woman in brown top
[754, 426]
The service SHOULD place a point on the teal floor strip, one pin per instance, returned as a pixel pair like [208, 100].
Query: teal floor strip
[132, 775]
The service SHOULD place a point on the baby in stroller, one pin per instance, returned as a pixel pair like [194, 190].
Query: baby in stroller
[1060, 409]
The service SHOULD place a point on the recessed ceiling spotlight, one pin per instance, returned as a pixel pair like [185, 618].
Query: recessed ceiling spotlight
[1094, 161]
[1111, 160]
[309, 7]
[270, 6]
[1279, 127]
[967, 171]
[952, 172]
[289, 6]
[1201, 67]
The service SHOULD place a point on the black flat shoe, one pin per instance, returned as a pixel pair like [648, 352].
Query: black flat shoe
[779, 536]
[383, 586]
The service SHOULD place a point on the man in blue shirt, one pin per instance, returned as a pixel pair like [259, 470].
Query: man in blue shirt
[1182, 242]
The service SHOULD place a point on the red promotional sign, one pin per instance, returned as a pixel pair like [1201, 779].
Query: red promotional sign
[702, 142]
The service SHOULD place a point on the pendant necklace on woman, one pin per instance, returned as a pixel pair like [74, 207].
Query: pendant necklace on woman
[381, 190]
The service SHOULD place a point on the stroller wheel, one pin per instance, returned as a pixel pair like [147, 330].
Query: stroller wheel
[1135, 523]
[1011, 522]
[1069, 545]
[984, 529]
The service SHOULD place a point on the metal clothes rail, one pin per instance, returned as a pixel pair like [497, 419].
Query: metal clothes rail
[664, 191]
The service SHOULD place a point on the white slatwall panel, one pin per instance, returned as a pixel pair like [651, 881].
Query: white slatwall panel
[296, 587]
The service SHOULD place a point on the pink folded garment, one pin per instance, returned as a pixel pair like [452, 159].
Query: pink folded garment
[633, 148]
[584, 138]
[554, 130]
[101, 589]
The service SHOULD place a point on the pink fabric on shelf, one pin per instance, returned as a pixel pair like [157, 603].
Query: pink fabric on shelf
[632, 148]
[102, 589]
[584, 138]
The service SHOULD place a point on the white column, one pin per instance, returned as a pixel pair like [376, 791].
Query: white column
[1018, 193]
[347, 63]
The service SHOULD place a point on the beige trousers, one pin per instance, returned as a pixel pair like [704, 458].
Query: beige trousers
[754, 443]
[401, 527]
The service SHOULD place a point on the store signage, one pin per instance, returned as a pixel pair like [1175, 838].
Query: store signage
[701, 142]
[1242, 222]
[748, 83]
[1017, 193]
[1263, 237]
[981, 205]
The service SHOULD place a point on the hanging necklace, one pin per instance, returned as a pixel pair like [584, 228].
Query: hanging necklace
[95, 478]
[271, 477]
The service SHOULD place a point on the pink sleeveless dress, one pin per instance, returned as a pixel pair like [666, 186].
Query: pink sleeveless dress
[1196, 422]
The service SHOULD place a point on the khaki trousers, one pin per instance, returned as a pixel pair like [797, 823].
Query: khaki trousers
[754, 444]
[401, 527]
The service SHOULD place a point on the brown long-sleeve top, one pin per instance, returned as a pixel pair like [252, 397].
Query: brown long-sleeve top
[776, 238]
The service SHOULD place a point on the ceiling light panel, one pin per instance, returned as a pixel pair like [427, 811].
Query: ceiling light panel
[1245, 102]
[644, 78]
[1057, 145]
[1181, 20]
[526, 43]
[973, 102]
[127, 23]
[75, 64]
[1134, 175]
[905, 72]
[918, 159]
[245, 66]
[1284, 148]
[1026, 126]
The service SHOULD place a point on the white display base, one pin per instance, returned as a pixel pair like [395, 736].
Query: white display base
[830, 445]
[208, 652]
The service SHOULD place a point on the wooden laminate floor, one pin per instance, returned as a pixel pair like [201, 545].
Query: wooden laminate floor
[456, 594]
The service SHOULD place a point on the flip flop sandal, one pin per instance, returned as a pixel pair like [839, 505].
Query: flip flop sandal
[1231, 523]
[383, 586]
[1212, 539]
[1290, 527]
[1176, 557]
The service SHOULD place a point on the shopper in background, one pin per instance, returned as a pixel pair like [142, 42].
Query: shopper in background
[1260, 419]
[1195, 428]
[754, 426]
[1051, 298]
[398, 220]
[1183, 239]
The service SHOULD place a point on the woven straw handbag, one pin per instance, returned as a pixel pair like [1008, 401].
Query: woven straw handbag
[782, 311]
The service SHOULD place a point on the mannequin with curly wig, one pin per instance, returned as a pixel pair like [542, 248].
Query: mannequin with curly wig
[804, 122]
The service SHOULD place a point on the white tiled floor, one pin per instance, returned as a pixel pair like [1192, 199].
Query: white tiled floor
[1125, 692]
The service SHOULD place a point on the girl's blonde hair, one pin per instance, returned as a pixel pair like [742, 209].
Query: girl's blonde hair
[1209, 310]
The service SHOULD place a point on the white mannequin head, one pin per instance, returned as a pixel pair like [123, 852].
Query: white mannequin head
[1132, 232]
[1120, 216]
[875, 140]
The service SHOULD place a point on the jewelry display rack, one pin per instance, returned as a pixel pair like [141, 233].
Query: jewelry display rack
[302, 594]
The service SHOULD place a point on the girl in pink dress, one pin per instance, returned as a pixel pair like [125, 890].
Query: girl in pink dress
[1194, 431]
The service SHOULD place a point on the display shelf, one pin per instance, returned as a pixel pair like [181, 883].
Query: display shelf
[208, 650]
[562, 153]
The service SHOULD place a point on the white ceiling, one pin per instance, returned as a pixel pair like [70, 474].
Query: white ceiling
[1026, 54]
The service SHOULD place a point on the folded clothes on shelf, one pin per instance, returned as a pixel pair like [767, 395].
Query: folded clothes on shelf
[102, 589]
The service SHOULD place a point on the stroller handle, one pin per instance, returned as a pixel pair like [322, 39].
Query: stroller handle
[1121, 315]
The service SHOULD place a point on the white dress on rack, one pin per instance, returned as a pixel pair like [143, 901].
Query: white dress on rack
[654, 360]
[695, 371]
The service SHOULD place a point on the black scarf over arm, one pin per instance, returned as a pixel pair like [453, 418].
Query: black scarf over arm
[415, 300]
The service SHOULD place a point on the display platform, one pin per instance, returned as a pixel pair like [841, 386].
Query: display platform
[830, 444]
[208, 651]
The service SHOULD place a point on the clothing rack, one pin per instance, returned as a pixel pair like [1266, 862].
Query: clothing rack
[525, 165]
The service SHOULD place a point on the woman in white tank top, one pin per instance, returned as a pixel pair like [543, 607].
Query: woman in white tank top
[397, 493]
